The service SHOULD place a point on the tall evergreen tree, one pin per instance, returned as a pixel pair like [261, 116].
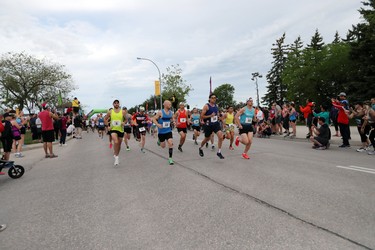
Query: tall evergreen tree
[316, 41]
[337, 38]
[361, 85]
[276, 89]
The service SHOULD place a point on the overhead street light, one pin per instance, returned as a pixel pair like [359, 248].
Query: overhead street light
[146, 59]
[255, 77]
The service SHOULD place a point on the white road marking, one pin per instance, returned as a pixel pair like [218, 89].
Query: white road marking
[360, 169]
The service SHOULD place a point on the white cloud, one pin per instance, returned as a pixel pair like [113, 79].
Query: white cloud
[99, 41]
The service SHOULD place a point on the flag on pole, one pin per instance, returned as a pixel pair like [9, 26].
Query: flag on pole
[210, 86]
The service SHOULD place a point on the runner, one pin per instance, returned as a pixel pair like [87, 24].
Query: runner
[210, 117]
[180, 118]
[244, 119]
[127, 128]
[163, 121]
[101, 125]
[195, 120]
[116, 117]
[229, 126]
[141, 119]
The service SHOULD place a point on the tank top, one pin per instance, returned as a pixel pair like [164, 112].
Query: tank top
[247, 117]
[101, 123]
[165, 121]
[230, 118]
[214, 119]
[182, 119]
[116, 121]
[195, 119]
[128, 119]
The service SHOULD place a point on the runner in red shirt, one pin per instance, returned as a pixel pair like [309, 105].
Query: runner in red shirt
[48, 131]
[181, 120]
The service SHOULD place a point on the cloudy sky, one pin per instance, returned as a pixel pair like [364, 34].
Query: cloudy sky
[99, 41]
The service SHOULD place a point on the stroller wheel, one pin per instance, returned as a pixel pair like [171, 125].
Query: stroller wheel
[16, 171]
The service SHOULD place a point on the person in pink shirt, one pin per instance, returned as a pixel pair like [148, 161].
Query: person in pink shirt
[48, 131]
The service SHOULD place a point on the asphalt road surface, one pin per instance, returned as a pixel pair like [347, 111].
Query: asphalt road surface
[287, 196]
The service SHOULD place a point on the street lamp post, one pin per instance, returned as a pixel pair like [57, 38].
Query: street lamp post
[255, 77]
[146, 59]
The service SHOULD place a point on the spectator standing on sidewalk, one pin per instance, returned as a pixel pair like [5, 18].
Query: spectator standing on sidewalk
[343, 118]
[47, 117]
[308, 115]
[358, 113]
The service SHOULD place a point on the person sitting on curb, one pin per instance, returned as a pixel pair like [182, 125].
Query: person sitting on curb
[323, 135]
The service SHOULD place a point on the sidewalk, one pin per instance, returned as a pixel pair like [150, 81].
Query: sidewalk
[302, 131]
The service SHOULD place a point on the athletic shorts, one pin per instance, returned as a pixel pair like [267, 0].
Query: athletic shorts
[7, 144]
[75, 109]
[143, 132]
[182, 129]
[273, 121]
[321, 140]
[23, 130]
[197, 128]
[119, 134]
[101, 128]
[293, 121]
[48, 135]
[212, 128]
[246, 128]
[164, 137]
[128, 130]
[229, 128]
[279, 119]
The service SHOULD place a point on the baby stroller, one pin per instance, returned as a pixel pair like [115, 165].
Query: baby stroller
[15, 171]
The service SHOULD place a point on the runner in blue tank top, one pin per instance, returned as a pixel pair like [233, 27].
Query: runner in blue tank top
[210, 116]
[163, 121]
[244, 119]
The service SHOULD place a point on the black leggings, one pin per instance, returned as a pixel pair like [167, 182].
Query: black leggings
[372, 135]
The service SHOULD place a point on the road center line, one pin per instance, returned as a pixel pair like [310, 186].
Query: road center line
[359, 169]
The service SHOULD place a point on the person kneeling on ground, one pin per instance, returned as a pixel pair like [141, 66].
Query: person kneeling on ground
[323, 135]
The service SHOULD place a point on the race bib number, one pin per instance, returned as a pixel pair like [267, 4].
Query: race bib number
[166, 124]
[248, 120]
[101, 123]
[116, 123]
[196, 122]
[142, 129]
[182, 120]
[231, 125]
[214, 118]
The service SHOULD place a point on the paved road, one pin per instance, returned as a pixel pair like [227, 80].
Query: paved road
[287, 196]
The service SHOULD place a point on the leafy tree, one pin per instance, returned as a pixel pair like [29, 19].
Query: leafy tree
[174, 84]
[25, 81]
[276, 88]
[225, 93]
[362, 43]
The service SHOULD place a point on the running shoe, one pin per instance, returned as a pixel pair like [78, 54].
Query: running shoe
[195, 142]
[220, 155]
[206, 144]
[2, 173]
[143, 150]
[180, 148]
[237, 142]
[361, 150]
[201, 152]
[127, 148]
[116, 161]
[158, 142]
[245, 156]
[321, 148]
[110, 145]
[231, 148]
[371, 152]
[52, 156]
[171, 162]
[2, 227]
[213, 147]
[344, 146]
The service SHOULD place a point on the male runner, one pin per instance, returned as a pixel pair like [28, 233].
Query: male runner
[244, 119]
[210, 116]
[163, 121]
[127, 128]
[141, 119]
[116, 127]
[101, 125]
[180, 118]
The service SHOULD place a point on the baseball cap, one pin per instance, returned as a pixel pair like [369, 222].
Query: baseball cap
[141, 108]
[181, 103]
[45, 106]
[249, 99]
[342, 94]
